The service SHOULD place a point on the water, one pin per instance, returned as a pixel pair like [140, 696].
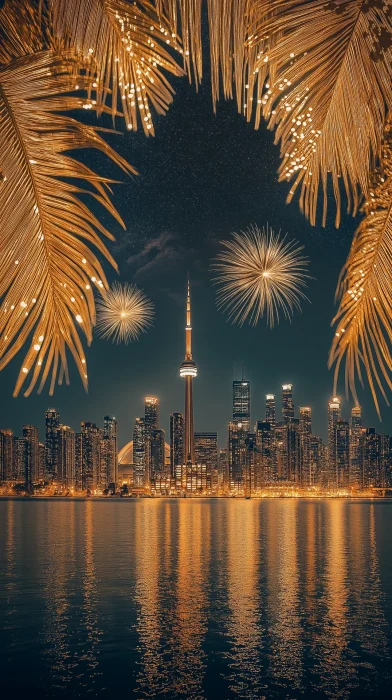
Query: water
[282, 598]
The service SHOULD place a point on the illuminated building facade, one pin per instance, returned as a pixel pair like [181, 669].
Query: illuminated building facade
[91, 462]
[157, 458]
[52, 423]
[109, 452]
[333, 416]
[32, 470]
[206, 452]
[355, 447]
[7, 472]
[264, 466]
[177, 436]
[270, 410]
[237, 449]
[342, 452]
[287, 403]
[66, 457]
[139, 453]
[241, 403]
[305, 436]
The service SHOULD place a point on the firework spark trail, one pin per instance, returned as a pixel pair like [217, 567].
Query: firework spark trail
[123, 313]
[258, 273]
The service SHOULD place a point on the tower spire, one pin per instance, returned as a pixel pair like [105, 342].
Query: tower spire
[188, 370]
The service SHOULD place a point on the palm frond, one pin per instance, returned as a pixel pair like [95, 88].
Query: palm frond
[234, 46]
[21, 31]
[328, 94]
[48, 266]
[125, 49]
[364, 320]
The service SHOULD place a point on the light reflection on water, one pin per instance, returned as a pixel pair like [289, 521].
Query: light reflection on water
[196, 599]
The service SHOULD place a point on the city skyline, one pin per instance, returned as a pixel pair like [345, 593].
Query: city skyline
[276, 448]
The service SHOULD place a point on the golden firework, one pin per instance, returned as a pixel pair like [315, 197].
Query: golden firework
[259, 273]
[123, 313]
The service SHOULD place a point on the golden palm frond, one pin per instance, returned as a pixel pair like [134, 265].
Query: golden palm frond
[328, 93]
[234, 46]
[125, 48]
[48, 267]
[21, 32]
[364, 332]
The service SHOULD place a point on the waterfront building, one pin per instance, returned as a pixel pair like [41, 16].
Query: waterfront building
[287, 403]
[19, 458]
[305, 435]
[157, 459]
[206, 452]
[333, 416]
[66, 457]
[7, 472]
[32, 471]
[342, 453]
[109, 452]
[52, 422]
[316, 460]
[250, 464]
[79, 479]
[355, 450]
[91, 443]
[177, 456]
[292, 450]
[237, 449]
[139, 448]
[151, 422]
[264, 463]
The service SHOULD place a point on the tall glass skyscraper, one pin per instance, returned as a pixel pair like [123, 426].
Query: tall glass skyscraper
[52, 422]
[139, 453]
[305, 436]
[333, 416]
[176, 442]
[270, 410]
[355, 447]
[241, 403]
[287, 402]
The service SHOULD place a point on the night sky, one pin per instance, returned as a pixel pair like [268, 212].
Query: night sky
[201, 177]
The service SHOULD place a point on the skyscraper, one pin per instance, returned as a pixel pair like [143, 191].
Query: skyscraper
[151, 413]
[287, 402]
[206, 452]
[188, 370]
[6, 455]
[270, 410]
[157, 453]
[52, 422]
[139, 453]
[30, 434]
[66, 457]
[151, 422]
[109, 449]
[355, 451]
[237, 456]
[264, 465]
[91, 439]
[176, 442]
[305, 435]
[241, 402]
[292, 450]
[342, 453]
[333, 416]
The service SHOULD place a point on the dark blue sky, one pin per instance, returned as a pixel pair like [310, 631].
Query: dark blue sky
[201, 177]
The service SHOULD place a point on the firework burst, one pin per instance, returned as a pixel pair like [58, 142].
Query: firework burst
[259, 273]
[123, 313]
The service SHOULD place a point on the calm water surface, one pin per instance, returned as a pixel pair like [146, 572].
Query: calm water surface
[196, 599]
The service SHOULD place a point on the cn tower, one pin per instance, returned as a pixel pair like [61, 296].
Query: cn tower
[188, 370]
